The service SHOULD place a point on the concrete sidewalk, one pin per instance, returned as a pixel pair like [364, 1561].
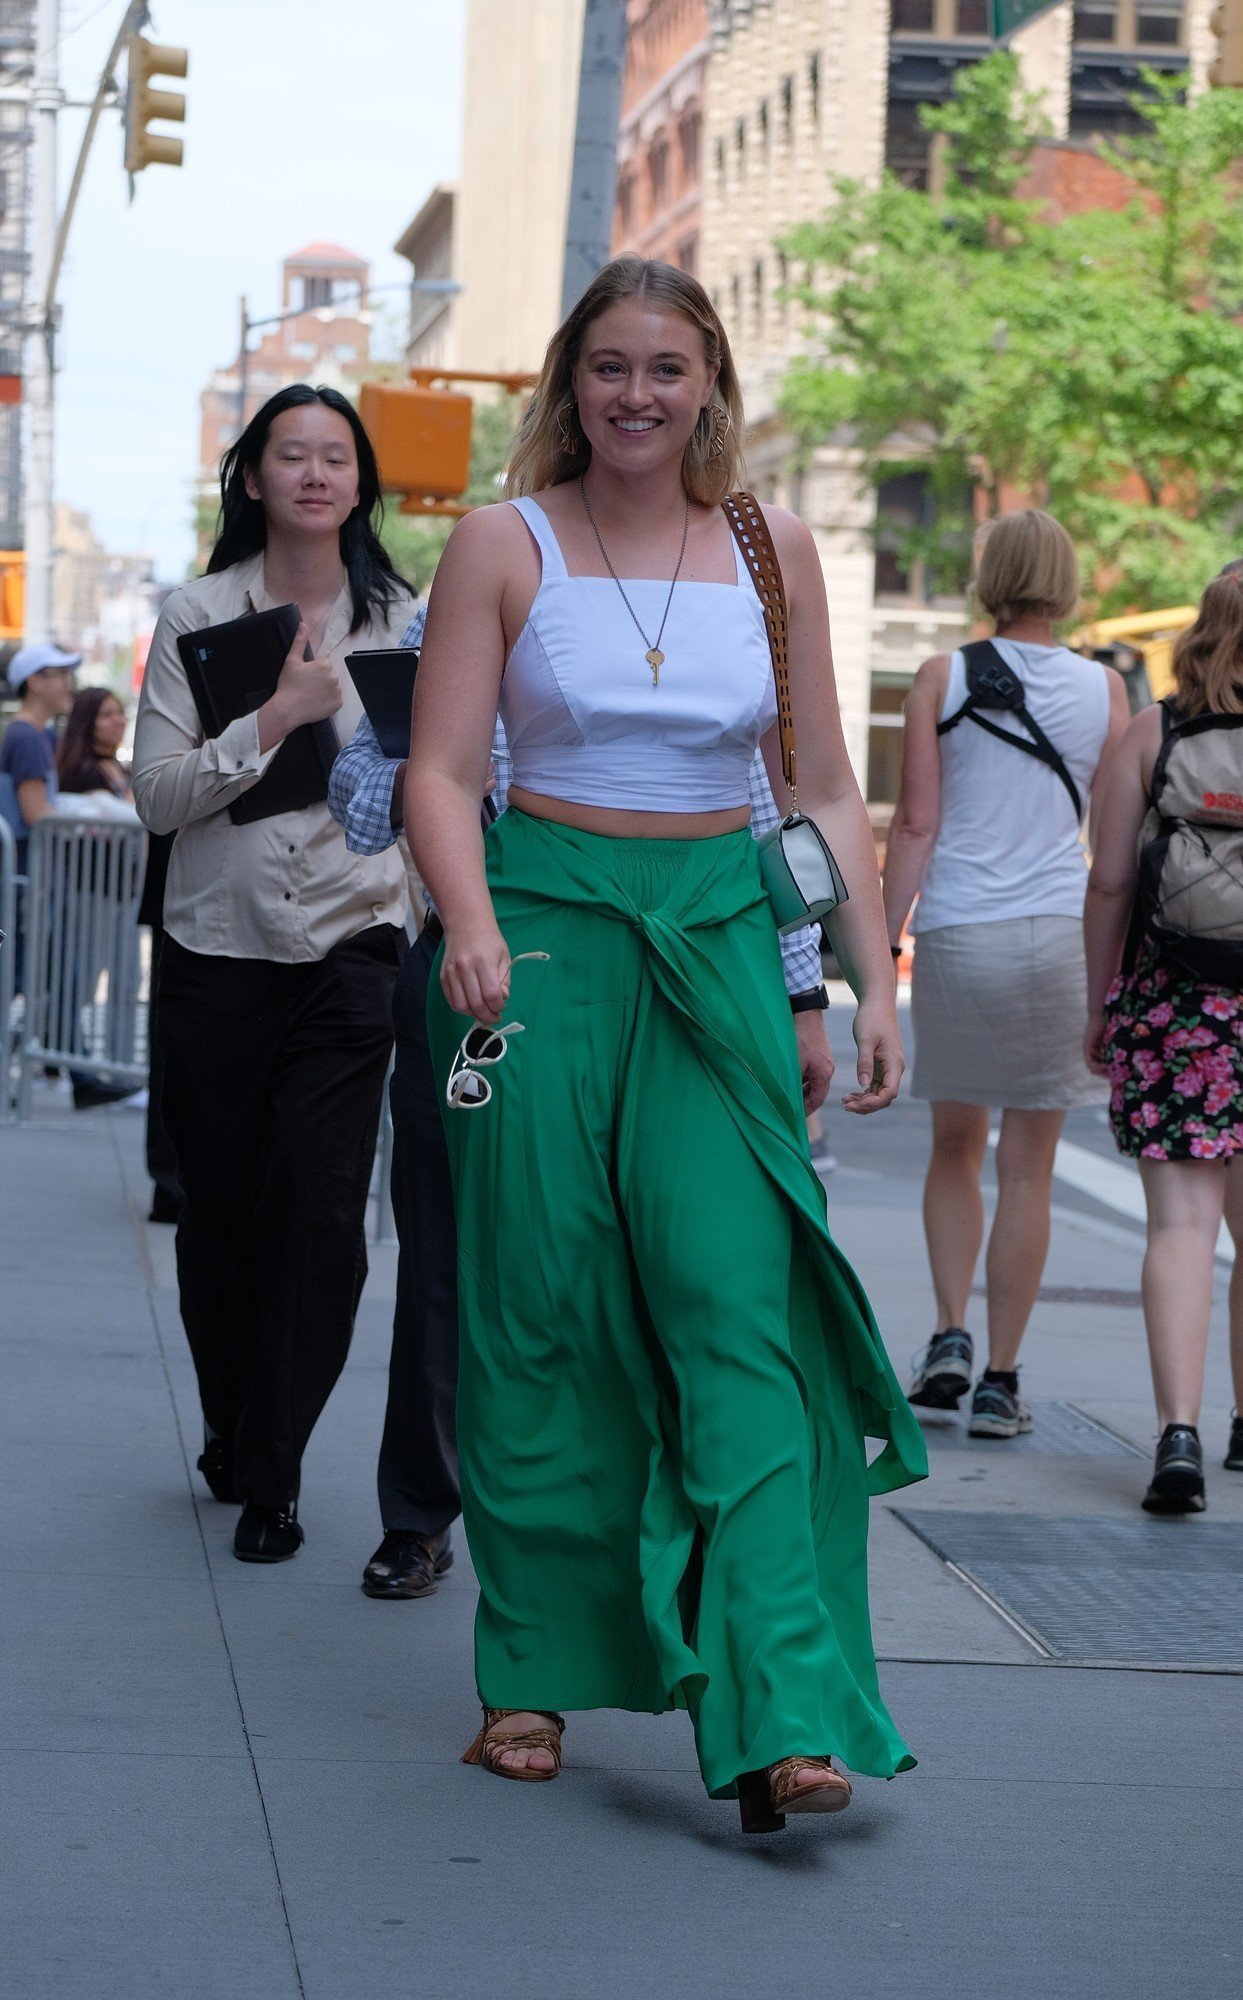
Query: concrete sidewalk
[234, 1783]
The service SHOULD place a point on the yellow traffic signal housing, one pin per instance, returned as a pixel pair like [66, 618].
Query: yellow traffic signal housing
[1226, 69]
[422, 440]
[12, 593]
[142, 147]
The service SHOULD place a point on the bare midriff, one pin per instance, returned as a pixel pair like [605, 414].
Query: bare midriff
[630, 825]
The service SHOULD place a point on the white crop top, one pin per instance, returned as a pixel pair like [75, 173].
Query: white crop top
[582, 717]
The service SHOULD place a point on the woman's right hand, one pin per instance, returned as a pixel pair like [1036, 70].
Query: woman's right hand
[1095, 1054]
[308, 690]
[474, 972]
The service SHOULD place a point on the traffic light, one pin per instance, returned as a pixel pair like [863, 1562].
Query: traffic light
[422, 441]
[1226, 70]
[12, 593]
[142, 147]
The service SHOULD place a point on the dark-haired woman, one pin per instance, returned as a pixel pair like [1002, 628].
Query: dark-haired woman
[279, 960]
[87, 756]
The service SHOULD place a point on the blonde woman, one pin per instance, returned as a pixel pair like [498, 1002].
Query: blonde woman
[987, 835]
[1169, 1034]
[667, 1369]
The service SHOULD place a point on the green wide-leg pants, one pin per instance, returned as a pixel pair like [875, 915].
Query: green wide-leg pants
[668, 1370]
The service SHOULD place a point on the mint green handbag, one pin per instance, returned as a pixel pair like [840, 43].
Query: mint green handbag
[801, 879]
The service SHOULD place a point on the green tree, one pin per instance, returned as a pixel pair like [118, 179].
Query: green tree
[1094, 363]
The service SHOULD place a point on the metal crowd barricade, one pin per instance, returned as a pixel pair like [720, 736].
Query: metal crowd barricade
[85, 978]
[8, 965]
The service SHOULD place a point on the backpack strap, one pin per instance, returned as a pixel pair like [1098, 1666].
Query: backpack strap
[992, 684]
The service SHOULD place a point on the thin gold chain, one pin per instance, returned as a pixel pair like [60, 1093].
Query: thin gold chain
[655, 658]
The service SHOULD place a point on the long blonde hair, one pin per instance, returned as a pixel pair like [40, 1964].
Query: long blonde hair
[1208, 657]
[550, 447]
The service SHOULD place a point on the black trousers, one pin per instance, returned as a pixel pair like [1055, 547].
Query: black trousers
[273, 1077]
[161, 1158]
[418, 1480]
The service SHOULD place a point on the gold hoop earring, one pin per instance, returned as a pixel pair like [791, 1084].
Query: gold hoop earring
[722, 425]
[569, 437]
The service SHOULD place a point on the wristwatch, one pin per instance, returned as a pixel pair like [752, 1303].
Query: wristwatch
[814, 1001]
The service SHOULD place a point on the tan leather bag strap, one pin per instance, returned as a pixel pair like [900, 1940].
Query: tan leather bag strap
[742, 511]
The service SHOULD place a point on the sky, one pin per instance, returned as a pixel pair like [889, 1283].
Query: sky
[306, 120]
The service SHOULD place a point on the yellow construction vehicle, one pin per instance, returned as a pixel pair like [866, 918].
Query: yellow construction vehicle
[1140, 645]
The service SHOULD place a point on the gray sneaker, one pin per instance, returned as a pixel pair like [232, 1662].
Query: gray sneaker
[997, 1413]
[943, 1371]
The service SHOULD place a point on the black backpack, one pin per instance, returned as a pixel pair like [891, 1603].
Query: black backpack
[993, 685]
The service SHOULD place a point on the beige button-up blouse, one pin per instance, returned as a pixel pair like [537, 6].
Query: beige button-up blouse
[285, 888]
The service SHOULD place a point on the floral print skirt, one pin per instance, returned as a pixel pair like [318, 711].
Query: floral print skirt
[1175, 1053]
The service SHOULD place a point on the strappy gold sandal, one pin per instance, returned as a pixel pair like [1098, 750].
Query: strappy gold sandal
[487, 1747]
[765, 1797]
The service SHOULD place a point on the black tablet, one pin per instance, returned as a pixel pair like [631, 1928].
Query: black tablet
[385, 683]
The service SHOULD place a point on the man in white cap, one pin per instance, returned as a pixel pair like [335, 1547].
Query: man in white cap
[43, 676]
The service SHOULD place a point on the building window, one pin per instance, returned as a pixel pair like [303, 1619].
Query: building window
[688, 255]
[912, 17]
[625, 200]
[735, 299]
[316, 292]
[907, 145]
[740, 136]
[885, 739]
[720, 160]
[757, 291]
[658, 173]
[762, 122]
[1158, 27]
[690, 135]
[1096, 24]
[972, 18]
[813, 86]
[787, 106]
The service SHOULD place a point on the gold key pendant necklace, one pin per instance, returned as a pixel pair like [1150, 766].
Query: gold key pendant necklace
[654, 657]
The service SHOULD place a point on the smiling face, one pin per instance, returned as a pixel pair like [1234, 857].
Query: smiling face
[109, 731]
[307, 478]
[641, 381]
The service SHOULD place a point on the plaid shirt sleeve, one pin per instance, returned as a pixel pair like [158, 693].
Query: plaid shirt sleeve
[360, 789]
[800, 956]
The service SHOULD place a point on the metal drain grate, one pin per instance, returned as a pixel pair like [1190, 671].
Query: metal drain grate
[1061, 1431]
[1101, 1593]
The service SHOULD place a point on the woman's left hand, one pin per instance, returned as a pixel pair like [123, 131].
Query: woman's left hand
[881, 1061]
[815, 1058]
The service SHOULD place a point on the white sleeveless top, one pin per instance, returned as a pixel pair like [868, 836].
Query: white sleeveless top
[1008, 844]
[582, 716]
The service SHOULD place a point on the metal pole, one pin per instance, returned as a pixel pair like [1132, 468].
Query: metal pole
[243, 370]
[40, 329]
[135, 17]
[593, 179]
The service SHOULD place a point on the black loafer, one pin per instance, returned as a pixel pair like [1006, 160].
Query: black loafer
[1178, 1474]
[408, 1565]
[267, 1534]
[216, 1466]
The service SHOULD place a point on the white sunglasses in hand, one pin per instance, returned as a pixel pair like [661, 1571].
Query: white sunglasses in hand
[467, 1089]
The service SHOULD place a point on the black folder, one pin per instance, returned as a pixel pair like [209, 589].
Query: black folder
[232, 670]
[385, 683]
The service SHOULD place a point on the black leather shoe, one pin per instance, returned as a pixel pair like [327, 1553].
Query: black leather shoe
[267, 1534]
[408, 1565]
[216, 1466]
[1233, 1461]
[1178, 1474]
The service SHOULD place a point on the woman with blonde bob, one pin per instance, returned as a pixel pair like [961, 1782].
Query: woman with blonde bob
[1170, 1038]
[667, 1368]
[987, 835]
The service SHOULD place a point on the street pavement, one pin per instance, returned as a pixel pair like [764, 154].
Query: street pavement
[227, 1782]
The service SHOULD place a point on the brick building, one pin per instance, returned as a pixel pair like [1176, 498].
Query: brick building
[660, 143]
[325, 339]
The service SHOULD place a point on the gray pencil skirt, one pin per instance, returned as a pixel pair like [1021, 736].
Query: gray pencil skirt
[998, 1012]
